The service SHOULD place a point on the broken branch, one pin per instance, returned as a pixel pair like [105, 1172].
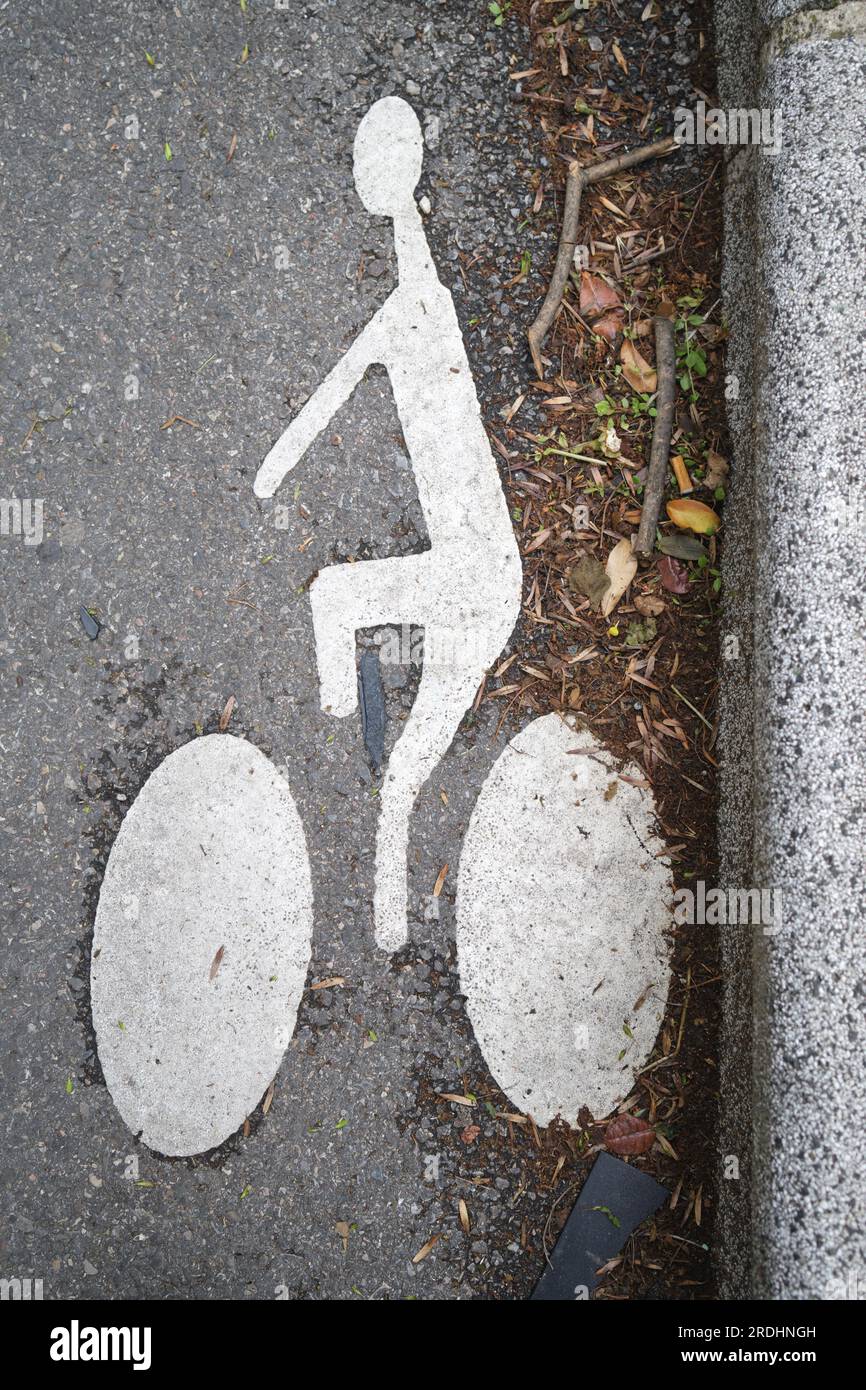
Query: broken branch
[578, 178]
[659, 453]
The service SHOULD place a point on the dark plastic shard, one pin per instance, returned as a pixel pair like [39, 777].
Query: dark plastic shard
[372, 697]
[89, 623]
[613, 1202]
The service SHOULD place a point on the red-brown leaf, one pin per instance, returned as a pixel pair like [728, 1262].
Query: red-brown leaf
[596, 296]
[674, 576]
[629, 1135]
[470, 1133]
[609, 327]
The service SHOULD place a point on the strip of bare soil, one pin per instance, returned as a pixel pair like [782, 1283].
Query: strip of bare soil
[644, 679]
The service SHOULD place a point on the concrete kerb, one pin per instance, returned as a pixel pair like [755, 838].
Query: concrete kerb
[793, 814]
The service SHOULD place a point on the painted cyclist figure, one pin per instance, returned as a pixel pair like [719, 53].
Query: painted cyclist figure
[465, 589]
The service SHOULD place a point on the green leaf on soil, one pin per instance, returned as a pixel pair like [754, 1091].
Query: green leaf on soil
[640, 631]
[683, 547]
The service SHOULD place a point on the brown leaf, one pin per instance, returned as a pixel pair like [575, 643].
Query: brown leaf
[618, 54]
[470, 1133]
[666, 1147]
[464, 1215]
[424, 1251]
[621, 569]
[628, 1134]
[331, 983]
[636, 370]
[227, 713]
[649, 605]
[717, 470]
[342, 1229]
[216, 963]
[674, 575]
[455, 1099]
[269, 1098]
[232, 147]
[608, 327]
[596, 296]
[440, 881]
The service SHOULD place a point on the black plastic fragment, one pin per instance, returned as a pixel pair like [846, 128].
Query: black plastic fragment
[89, 623]
[372, 696]
[613, 1201]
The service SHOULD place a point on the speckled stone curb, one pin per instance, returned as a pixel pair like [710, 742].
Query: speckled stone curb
[792, 1150]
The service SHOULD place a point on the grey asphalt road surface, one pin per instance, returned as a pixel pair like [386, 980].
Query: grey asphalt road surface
[181, 240]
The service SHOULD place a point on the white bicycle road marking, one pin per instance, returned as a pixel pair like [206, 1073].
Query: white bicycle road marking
[468, 583]
[562, 914]
[210, 856]
[563, 902]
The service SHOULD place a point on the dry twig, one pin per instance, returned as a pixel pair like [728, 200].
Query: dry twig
[659, 453]
[578, 178]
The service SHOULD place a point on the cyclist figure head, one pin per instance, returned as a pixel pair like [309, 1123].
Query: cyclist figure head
[388, 156]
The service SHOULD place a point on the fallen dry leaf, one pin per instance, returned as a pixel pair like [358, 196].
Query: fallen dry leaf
[331, 983]
[424, 1251]
[470, 1133]
[342, 1229]
[216, 962]
[611, 444]
[232, 147]
[608, 327]
[269, 1099]
[690, 515]
[628, 1134]
[438, 885]
[649, 605]
[668, 1148]
[621, 569]
[454, 1098]
[674, 575]
[717, 470]
[620, 57]
[227, 713]
[636, 370]
[464, 1215]
[596, 296]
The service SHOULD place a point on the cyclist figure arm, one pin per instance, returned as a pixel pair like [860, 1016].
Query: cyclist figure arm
[320, 409]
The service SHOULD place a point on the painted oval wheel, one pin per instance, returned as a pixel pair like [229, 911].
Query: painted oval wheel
[201, 945]
[563, 913]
